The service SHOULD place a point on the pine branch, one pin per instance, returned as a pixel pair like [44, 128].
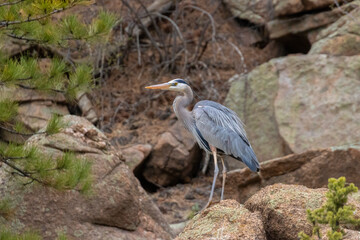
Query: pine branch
[37, 40]
[15, 132]
[11, 3]
[22, 173]
[21, 37]
[7, 23]
[35, 88]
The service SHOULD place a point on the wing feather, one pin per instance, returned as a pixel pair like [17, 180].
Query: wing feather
[222, 128]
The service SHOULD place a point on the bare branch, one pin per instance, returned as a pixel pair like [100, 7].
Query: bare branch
[344, 11]
[158, 6]
[238, 51]
[179, 34]
[125, 2]
[213, 35]
[138, 49]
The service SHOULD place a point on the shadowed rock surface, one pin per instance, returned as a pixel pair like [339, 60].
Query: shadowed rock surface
[118, 209]
[311, 169]
[135, 155]
[175, 158]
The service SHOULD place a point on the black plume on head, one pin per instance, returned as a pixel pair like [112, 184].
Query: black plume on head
[180, 81]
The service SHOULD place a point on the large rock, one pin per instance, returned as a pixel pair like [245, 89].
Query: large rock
[295, 23]
[297, 103]
[35, 109]
[226, 220]
[311, 169]
[261, 11]
[283, 209]
[118, 209]
[251, 96]
[340, 38]
[175, 158]
[135, 155]
[278, 28]
[317, 101]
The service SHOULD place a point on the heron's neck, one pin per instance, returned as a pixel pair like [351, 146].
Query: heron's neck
[180, 107]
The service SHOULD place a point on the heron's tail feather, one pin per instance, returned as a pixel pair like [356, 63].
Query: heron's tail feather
[246, 154]
[251, 160]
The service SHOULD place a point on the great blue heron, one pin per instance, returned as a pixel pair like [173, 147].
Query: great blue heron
[216, 128]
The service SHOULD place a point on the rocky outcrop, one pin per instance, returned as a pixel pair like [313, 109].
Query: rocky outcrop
[316, 102]
[290, 20]
[226, 220]
[34, 111]
[118, 208]
[302, 24]
[340, 38]
[306, 24]
[262, 11]
[283, 209]
[298, 103]
[311, 169]
[175, 158]
[136, 155]
[251, 96]
[35, 108]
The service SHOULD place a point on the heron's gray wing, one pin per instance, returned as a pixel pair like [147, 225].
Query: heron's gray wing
[222, 128]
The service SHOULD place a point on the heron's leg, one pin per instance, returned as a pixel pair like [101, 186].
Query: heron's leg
[216, 171]
[224, 178]
[206, 163]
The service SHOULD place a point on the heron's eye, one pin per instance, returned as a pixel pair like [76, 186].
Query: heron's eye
[174, 84]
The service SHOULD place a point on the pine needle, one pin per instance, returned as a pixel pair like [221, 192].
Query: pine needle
[6, 208]
[54, 125]
[8, 110]
[6, 234]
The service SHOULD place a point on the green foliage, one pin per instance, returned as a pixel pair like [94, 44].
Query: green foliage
[335, 211]
[72, 172]
[64, 172]
[20, 128]
[194, 210]
[62, 236]
[102, 25]
[7, 235]
[6, 208]
[8, 110]
[73, 28]
[80, 81]
[54, 125]
[31, 21]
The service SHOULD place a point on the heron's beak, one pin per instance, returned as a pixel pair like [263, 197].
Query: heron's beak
[159, 86]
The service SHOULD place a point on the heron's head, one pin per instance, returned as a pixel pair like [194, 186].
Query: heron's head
[177, 84]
